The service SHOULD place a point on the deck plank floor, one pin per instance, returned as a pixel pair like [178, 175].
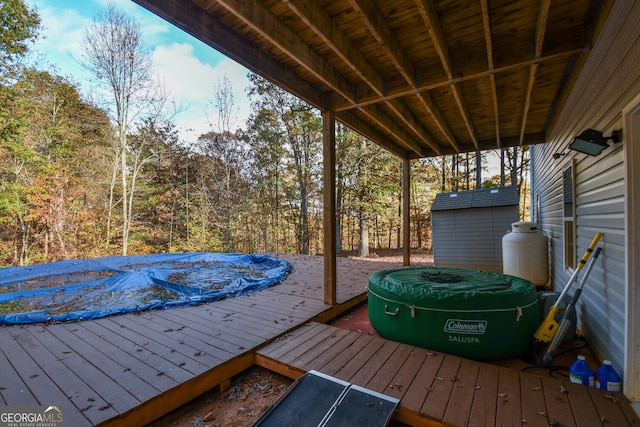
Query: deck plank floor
[444, 390]
[131, 369]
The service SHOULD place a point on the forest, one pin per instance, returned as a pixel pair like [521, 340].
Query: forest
[88, 176]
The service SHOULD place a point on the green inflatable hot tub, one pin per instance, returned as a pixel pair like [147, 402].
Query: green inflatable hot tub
[473, 314]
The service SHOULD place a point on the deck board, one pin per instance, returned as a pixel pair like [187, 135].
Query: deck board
[445, 390]
[533, 400]
[483, 410]
[459, 407]
[130, 369]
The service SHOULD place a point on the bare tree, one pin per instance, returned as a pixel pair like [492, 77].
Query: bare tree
[115, 54]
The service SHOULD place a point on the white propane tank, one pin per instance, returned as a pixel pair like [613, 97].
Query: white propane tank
[524, 253]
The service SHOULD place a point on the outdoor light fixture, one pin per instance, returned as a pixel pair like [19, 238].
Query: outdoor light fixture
[559, 155]
[592, 142]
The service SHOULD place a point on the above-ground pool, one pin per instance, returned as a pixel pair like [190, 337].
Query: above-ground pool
[93, 288]
[474, 314]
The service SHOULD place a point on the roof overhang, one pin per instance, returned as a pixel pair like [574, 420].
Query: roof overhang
[419, 77]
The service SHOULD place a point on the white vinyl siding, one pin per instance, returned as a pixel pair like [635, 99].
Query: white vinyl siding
[609, 81]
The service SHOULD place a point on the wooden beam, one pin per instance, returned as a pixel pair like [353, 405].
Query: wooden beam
[381, 31]
[406, 115]
[438, 119]
[430, 18]
[312, 14]
[369, 99]
[378, 27]
[393, 127]
[329, 194]
[488, 39]
[185, 15]
[254, 14]
[541, 26]
[576, 63]
[349, 118]
[464, 113]
[321, 23]
[406, 212]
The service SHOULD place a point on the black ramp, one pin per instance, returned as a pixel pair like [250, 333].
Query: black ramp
[319, 400]
[362, 408]
[306, 403]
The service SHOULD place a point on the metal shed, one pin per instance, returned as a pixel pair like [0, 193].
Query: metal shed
[468, 227]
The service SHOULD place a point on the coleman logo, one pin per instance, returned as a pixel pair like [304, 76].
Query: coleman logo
[457, 326]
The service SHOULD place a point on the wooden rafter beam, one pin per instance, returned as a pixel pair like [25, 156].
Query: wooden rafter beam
[381, 31]
[185, 15]
[378, 27]
[429, 105]
[541, 26]
[254, 14]
[349, 118]
[486, 22]
[340, 105]
[392, 127]
[430, 18]
[405, 114]
[322, 24]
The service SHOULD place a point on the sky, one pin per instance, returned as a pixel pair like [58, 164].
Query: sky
[190, 69]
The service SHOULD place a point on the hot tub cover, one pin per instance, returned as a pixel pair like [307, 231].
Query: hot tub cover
[457, 288]
[93, 288]
[474, 314]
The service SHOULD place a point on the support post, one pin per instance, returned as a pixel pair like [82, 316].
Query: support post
[329, 195]
[406, 214]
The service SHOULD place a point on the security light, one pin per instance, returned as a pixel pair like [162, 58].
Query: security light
[592, 142]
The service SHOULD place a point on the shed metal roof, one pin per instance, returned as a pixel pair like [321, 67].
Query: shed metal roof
[482, 198]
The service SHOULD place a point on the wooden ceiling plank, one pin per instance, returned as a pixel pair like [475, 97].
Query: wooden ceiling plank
[486, 22]
[316, 18]
[255, 15]
[185, 15]
[541, 26]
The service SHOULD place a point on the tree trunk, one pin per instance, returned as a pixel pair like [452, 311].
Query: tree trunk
[125, 204]
[363, 241]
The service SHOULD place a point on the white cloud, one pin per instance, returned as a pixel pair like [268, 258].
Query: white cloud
[61, 34]
[190, 71]
[193, 82]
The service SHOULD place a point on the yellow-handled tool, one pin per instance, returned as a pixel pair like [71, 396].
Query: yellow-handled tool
[548, 328]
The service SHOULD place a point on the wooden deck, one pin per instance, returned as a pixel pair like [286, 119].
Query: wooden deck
[131, 369]
[443, 390]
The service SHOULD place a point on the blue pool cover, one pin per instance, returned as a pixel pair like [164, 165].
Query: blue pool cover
[93, 288]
